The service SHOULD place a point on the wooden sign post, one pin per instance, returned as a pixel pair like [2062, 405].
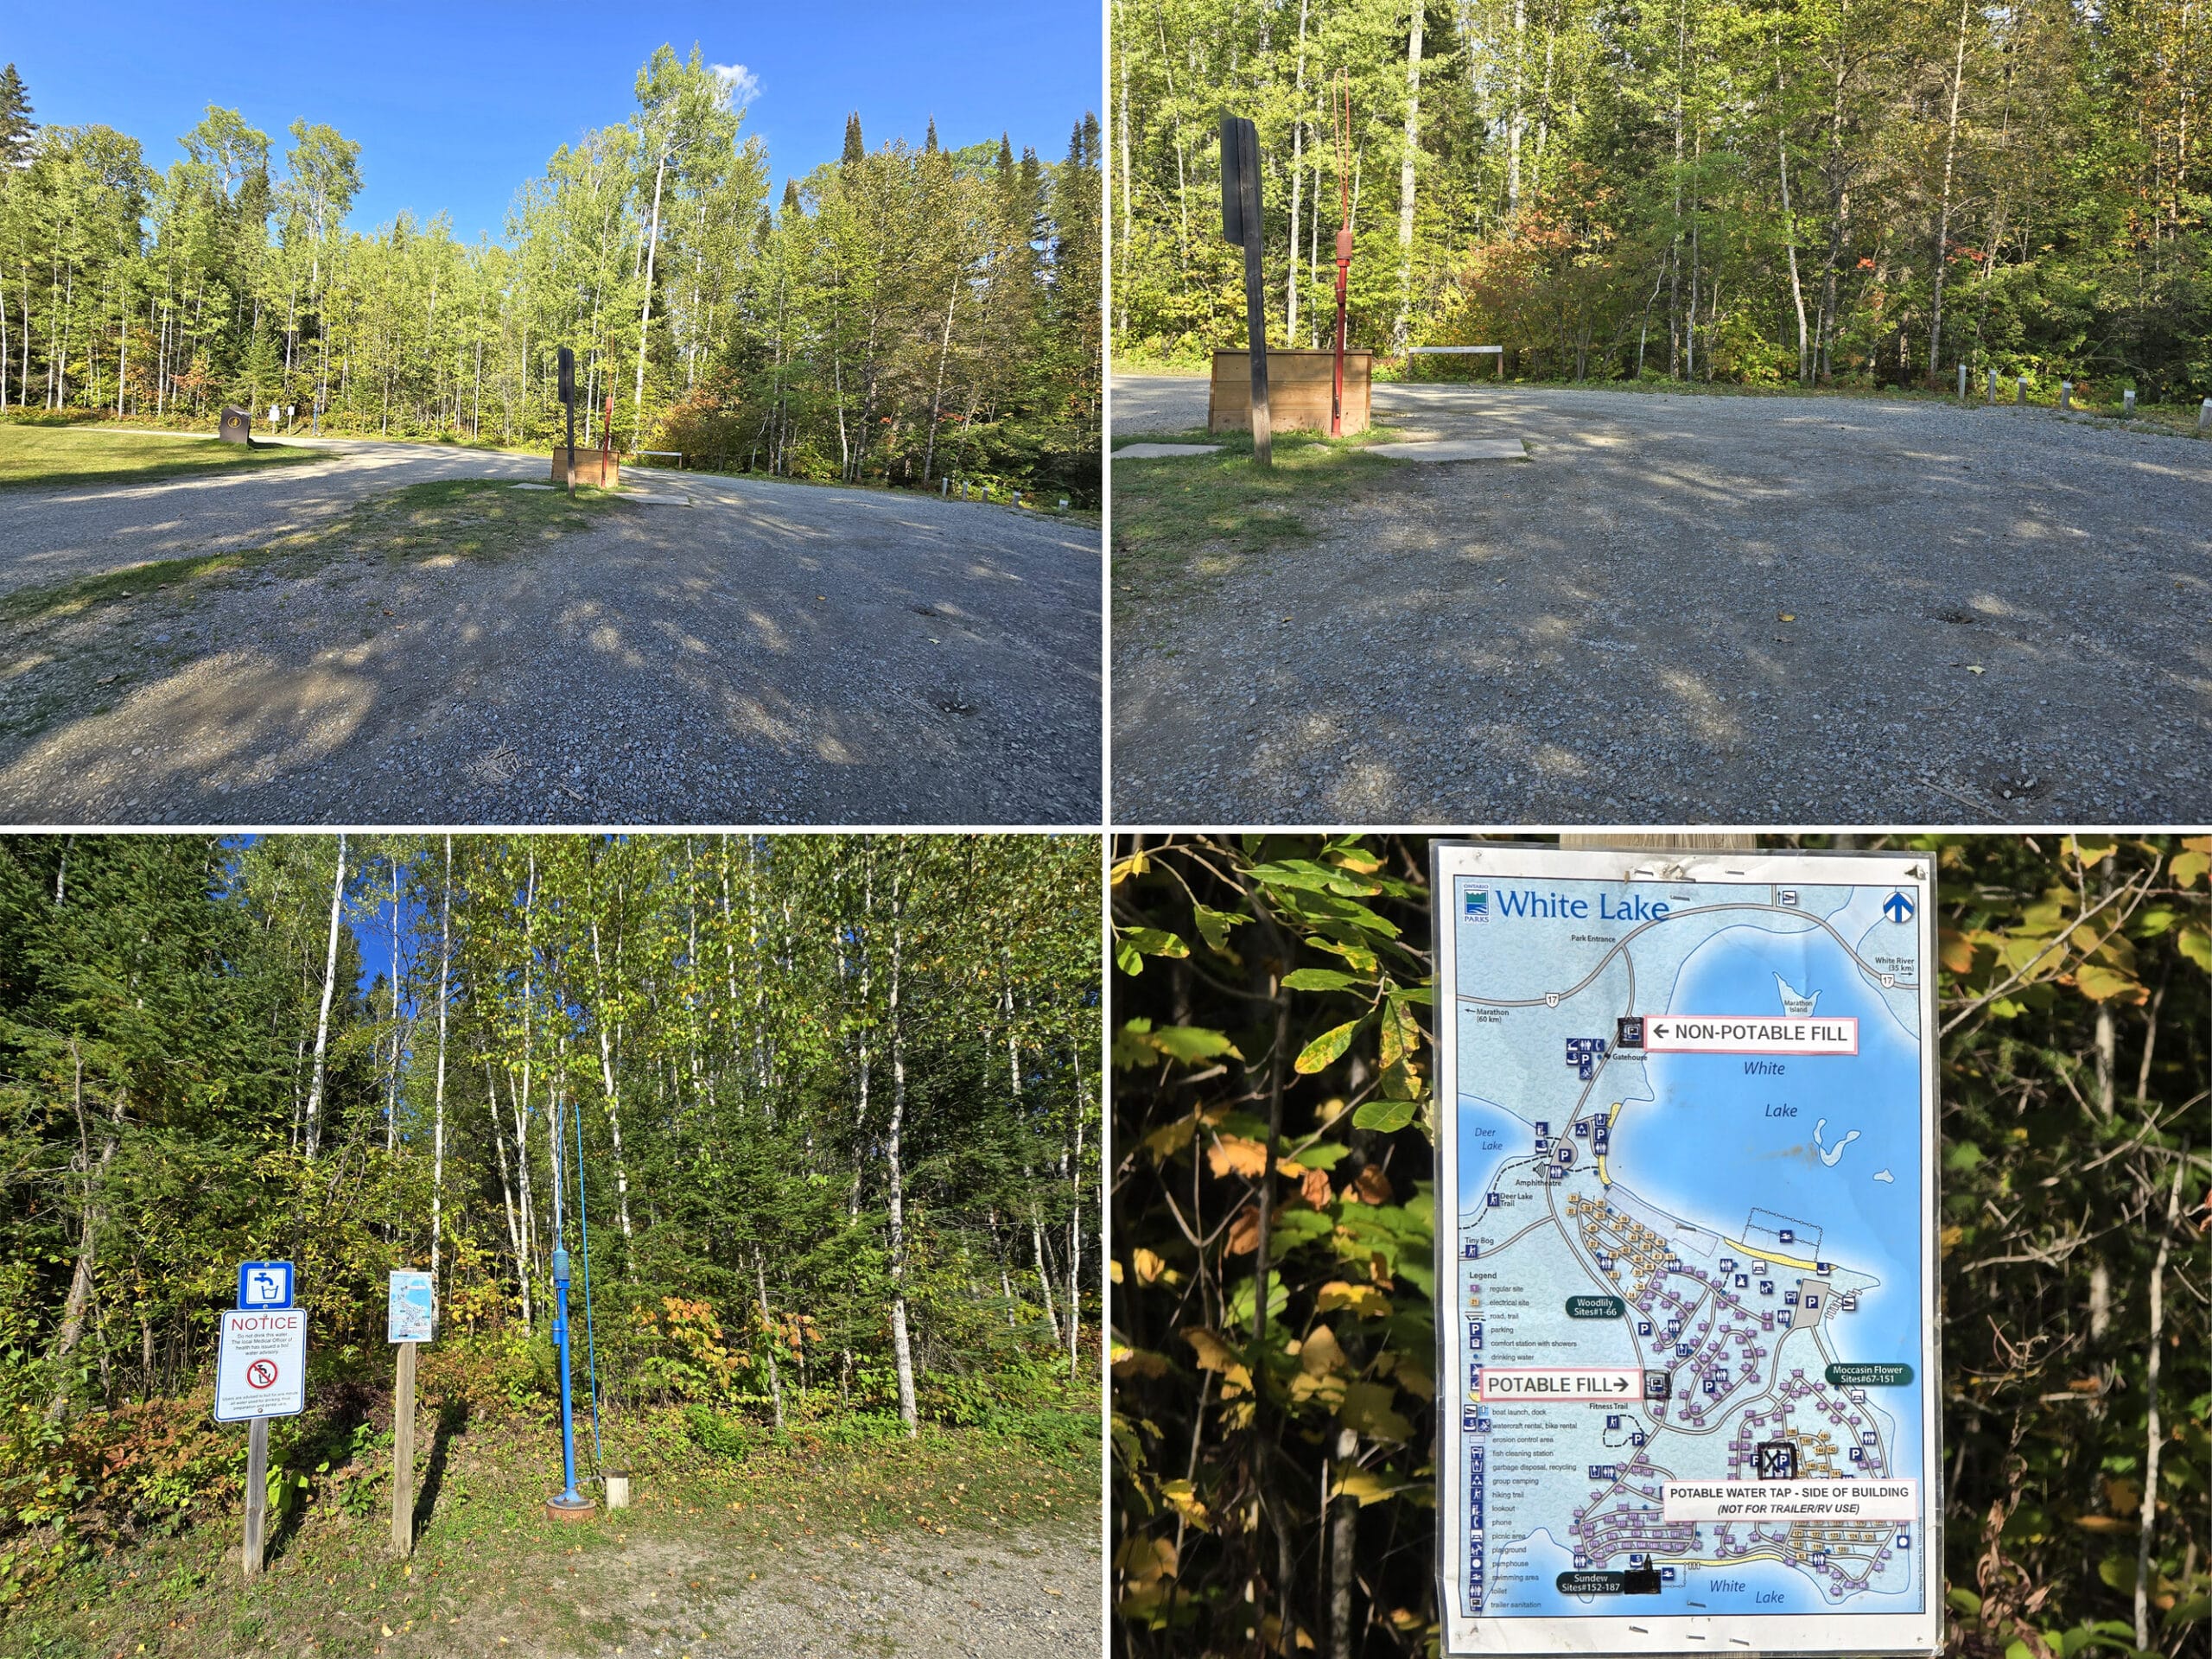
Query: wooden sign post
[261, 1370]
[403, 1454]
[1241, 224]
[257, 1496]
[409, 1321]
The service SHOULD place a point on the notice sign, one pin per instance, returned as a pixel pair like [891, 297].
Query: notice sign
[1790, 1500]
[262, 1370]
[410, 1313]
[1698, 1034]
[1686, 1271]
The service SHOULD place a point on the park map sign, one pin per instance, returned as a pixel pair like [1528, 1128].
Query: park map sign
[1686, 1285]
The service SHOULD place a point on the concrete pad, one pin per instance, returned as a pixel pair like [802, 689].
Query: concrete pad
[1164, 451]
[1454, 449]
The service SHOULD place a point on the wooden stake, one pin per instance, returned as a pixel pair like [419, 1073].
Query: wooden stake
[403, 1454]
[256, 1494]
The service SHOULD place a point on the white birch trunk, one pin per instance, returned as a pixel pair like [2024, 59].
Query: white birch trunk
[900, 1346]
[322, 1020]
[438, 1114]
[1399, 330]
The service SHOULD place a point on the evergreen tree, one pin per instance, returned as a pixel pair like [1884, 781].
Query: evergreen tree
[16, 127]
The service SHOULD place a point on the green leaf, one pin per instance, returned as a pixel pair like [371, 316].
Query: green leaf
[1132, 944]
[1325, 1050]
[1214, 926]
[1320, 979]
[1384, 1115]
[1192, 1042]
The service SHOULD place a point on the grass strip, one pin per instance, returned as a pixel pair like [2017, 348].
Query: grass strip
[33, 457]
[1181, 518]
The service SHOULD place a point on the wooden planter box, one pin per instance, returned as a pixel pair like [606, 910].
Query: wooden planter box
[594, 468]
[1297, 391]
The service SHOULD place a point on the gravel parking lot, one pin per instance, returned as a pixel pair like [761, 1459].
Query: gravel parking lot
[1032, 1596]
[754, 652]
[1696, 609]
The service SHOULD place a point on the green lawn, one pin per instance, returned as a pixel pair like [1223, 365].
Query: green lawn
[1195, 516]
[486, 1555]
[34, 456]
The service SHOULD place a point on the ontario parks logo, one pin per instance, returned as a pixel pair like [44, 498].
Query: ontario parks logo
[1478, 906]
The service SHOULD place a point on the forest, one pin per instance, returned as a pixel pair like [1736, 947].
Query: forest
[1760, 193]
[900, 316]
[828, 1108]
[1273, 1337]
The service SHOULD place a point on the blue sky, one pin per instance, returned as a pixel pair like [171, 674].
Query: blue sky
[455, 106]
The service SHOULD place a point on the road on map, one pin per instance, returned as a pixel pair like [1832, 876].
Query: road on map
[1694, 608]
[750, 651]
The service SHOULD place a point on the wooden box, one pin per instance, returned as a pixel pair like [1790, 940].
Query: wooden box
[594, 467]
[1297, 391]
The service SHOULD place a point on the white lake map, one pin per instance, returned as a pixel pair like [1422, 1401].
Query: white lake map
[1685, 1308]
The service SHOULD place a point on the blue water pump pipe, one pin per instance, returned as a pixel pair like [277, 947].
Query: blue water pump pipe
[570, 1505]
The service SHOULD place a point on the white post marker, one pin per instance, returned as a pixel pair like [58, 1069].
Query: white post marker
[410, 1317]
[1688, 1373]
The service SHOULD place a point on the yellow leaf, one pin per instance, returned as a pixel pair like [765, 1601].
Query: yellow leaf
[1363, 1300]
[1365, 1485]
[1134, 865]
[2098, 984]
[1163, 1144]
[1183, 1499]
[1976, 668]
[1216, 1355]
[1137, 1361]
[1954, 950]
[1231, 1153]
[1787, 616]
[1322, 1353]
[1149, 1263]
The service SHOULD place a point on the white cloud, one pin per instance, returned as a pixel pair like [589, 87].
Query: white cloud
[740, 82]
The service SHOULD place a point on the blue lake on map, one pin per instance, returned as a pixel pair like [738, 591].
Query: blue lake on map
[1712, 1164]
[1796, 1591]
[1488, 1136]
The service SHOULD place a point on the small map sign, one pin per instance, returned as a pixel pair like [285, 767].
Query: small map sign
[265, 1284]
[411, 1312]
[261, 1370]
[1687, 1279]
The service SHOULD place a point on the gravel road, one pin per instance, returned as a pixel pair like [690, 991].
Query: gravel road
[768, 653]
[1696, 609]
[57, 535]
[1034, 1596]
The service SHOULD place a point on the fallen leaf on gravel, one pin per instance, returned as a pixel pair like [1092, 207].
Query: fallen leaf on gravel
[107, 679]
[1976, 668]
[1787, 616]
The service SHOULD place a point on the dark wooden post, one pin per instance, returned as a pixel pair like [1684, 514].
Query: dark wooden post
[256, 1494]
[1241, 223]
[403, 1422]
